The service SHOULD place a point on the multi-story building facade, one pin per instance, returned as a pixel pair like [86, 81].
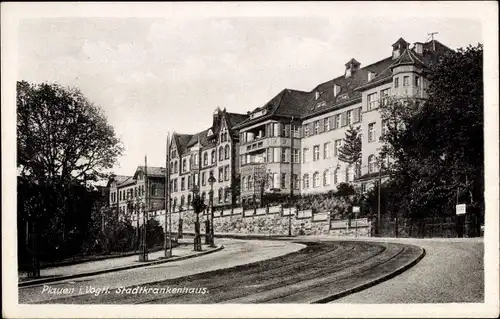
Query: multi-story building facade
[318, 121]
[128, 194]
[212, 152]
[290, 145]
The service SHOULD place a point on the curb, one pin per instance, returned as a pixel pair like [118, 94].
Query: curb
[372, 283]
[103, 271]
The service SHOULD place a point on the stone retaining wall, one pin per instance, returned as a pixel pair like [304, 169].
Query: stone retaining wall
[272, 221]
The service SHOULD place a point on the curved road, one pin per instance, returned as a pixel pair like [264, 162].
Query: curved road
[311, 275]
[235, 252]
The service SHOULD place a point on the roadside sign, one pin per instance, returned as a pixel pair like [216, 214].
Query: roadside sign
[355, 209]
[460, 209]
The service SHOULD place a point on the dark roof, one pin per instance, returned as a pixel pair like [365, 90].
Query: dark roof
[118, 178]
[152, 171]
[129, 181]
[181, 141]
[235, 118]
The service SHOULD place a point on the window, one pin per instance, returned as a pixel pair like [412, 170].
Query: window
[183, 186]
[306, 181]
[205, 159]
[284, 130]
[327, 150]
[182, 201]
[326, 178]
[270, 154]
[120, 195]
[417, 80]
[221, 174]
[372, 164]
[305, 154]
[249, 183]
[396, 82]
[243, 183]
[203, 179]
[190, 182]
[220, 195]
[176, 167]
[371, 132]
[337, 121]
[316, 179]
[349, 117]
[338, 145]
[226, 173]
[221, 154]
[213, 156]
[306, 130]
[372, 101]
[184, 165]
[363, 187]
[406, 80]
[295, 182]
[283, 155]
[384, 127]
[296, 155]
[276, 129]
[226, 152]
[384, 95]
[336, 178]
[283, 180]
[316, 152]
[295, 131]
[316, 127]
[189, 200]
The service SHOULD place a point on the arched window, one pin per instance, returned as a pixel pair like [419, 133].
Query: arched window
[171, 167]
[226, 152]
[174, 204]
[189, 200]
[221, 153]
[306, 180]
[184, 165]
[205, 159]
[326, 177]
[372, 164]
[249, 183]
[182, 202]
[213, 156]
[336, 176]
[220, 195]
[316, 179]
[226, 195]
[243, 184]
[176, 165]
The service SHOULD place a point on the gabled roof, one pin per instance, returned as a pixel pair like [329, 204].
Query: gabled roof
[153, 171]
[408, 57]
[117, 178]
[129, 181]
[181, 140]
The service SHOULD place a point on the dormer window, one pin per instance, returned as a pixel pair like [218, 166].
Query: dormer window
[371, 75]
[210, 133]
[336, 90]
[316, 95]
[351, 67]
[258, 113]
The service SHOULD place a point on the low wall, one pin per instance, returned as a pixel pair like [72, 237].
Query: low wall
[272, 221]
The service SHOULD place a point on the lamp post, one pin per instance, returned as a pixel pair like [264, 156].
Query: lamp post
[211, 181]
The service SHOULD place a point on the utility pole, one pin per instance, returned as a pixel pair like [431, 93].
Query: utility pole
[144, 253]
[291, 180]
[379, 186]
[432, 37]
[167, 243]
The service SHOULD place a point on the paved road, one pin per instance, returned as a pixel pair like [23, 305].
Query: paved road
[306, 276]
[452, 271]
[235, 252]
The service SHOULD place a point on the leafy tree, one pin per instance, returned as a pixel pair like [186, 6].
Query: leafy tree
[63, 141]
[350, 151]
[437, 144]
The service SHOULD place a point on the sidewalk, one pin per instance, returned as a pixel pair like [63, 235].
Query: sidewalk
[183, 251]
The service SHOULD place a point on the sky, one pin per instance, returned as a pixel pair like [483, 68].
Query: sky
[169, 72]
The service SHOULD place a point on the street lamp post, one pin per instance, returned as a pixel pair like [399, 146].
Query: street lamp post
[211, 181]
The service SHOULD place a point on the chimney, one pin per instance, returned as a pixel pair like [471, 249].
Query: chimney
[351, 67]
[216, 120]
[336, 90]
[418, 48]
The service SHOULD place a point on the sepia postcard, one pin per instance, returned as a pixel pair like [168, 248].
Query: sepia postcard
[250, 160]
